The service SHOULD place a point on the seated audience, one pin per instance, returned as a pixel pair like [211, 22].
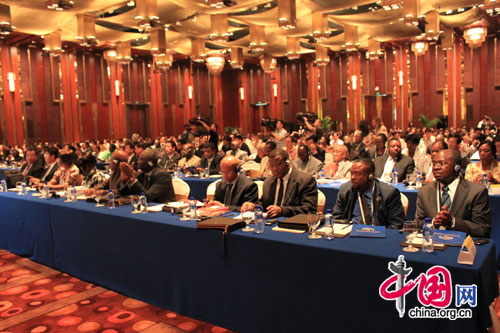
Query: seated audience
[91, 176]
[189, 159]
[51, 165]
[340, 168]
[384, 165]
[210, 159]
[68, 173]
[33, 166]
[307, 163]
[487, 165]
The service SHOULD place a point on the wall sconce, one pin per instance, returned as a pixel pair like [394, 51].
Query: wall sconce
[275, 90]
[117, 88]
[190, 92]
[400, 78]
[12, 82]
[354, 82]
[242, 93]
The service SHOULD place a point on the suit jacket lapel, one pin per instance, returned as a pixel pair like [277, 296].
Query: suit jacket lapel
[460, 196]
[289, 188]
[433, 199]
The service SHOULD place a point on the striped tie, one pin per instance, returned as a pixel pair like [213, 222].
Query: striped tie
[366, 210]
[445, 197]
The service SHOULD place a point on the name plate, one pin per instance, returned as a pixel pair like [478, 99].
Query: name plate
[449, 237]
[467, 252]
[373, 231]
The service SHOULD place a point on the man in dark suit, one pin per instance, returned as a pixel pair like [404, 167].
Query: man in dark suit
[234, 189]
[171, 157]
[453, 202]
[210, 159]
[365, 200]
[154, 181]
[129, 149]
[357, 149]
[51, 166]
[287, 192]
[385, 164]
[34, 164]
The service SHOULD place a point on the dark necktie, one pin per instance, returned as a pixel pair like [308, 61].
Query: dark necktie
[280, 193]
[227, 196]
[26, 170]
[146, 182]
[366, 209]
[445, 198]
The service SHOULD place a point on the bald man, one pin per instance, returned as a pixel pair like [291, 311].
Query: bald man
[153, 181]
[234, 189]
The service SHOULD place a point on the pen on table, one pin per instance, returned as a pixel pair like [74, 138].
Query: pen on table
[348, 224]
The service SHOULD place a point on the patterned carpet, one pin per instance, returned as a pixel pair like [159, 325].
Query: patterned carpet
[37, 299]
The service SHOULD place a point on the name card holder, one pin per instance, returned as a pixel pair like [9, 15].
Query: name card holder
[467, 252]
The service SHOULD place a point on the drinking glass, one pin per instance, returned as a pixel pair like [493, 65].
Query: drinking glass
[134, 201]
[41, 190]
[410, 232]
[248, 216]
[185, 211]
[98, 199]
[313, 221]
[19, 188]
[410, 179]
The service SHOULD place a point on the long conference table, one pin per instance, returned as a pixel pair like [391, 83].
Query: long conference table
[272, 282]
[199, 186]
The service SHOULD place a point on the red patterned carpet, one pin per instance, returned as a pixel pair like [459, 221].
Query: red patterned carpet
[36, 299]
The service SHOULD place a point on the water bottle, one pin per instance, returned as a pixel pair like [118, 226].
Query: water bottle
[111, 200]
[72, 193]
[3, 186]
[207, 172]
[143, 202]
[259, 220]
[329, 232]
[395, 177]
[418, 181]
[46, 189]
[193, 213]
[24, 189]
[427, 233]
[485, 182]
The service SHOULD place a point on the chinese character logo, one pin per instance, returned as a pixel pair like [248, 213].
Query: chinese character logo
[434, 287]
[466, 294]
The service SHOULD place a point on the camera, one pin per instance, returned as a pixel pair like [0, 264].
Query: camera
[269, 123]
[311, 117]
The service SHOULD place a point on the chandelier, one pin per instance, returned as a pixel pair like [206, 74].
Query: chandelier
[198, 50]
[86, 30]
[59, 4]
[237, 58]
[5, 20]
[292, 48]
[147, 14]
[475, 36]
[257, 38]
[215, 63]
[320, 29]
[219, 27]
[287, 18]
[53, 43]
[322, 58]
[419, 47]
[374, 50]
[163, 62]
[268, 63]
[158, 41]
[123, 52]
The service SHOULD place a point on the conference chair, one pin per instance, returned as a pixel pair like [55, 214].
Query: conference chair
[404, 202]
[321, 201]
[181, 189]
[211, 189]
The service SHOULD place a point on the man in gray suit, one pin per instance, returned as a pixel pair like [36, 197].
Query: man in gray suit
[366, 200]
[452, 202]
[306, 162]
[234, 190]
[385, 164]
[288, 191]
[340, 168]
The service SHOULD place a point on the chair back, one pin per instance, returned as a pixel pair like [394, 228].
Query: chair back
[211, 189]
[404, 202]
[321, 201]
[181, 189]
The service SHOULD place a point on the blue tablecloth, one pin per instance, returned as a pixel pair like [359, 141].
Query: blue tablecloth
[276, 282]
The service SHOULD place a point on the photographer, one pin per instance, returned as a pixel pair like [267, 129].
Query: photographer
[212, 131]
[279, 135]
[315, 128]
